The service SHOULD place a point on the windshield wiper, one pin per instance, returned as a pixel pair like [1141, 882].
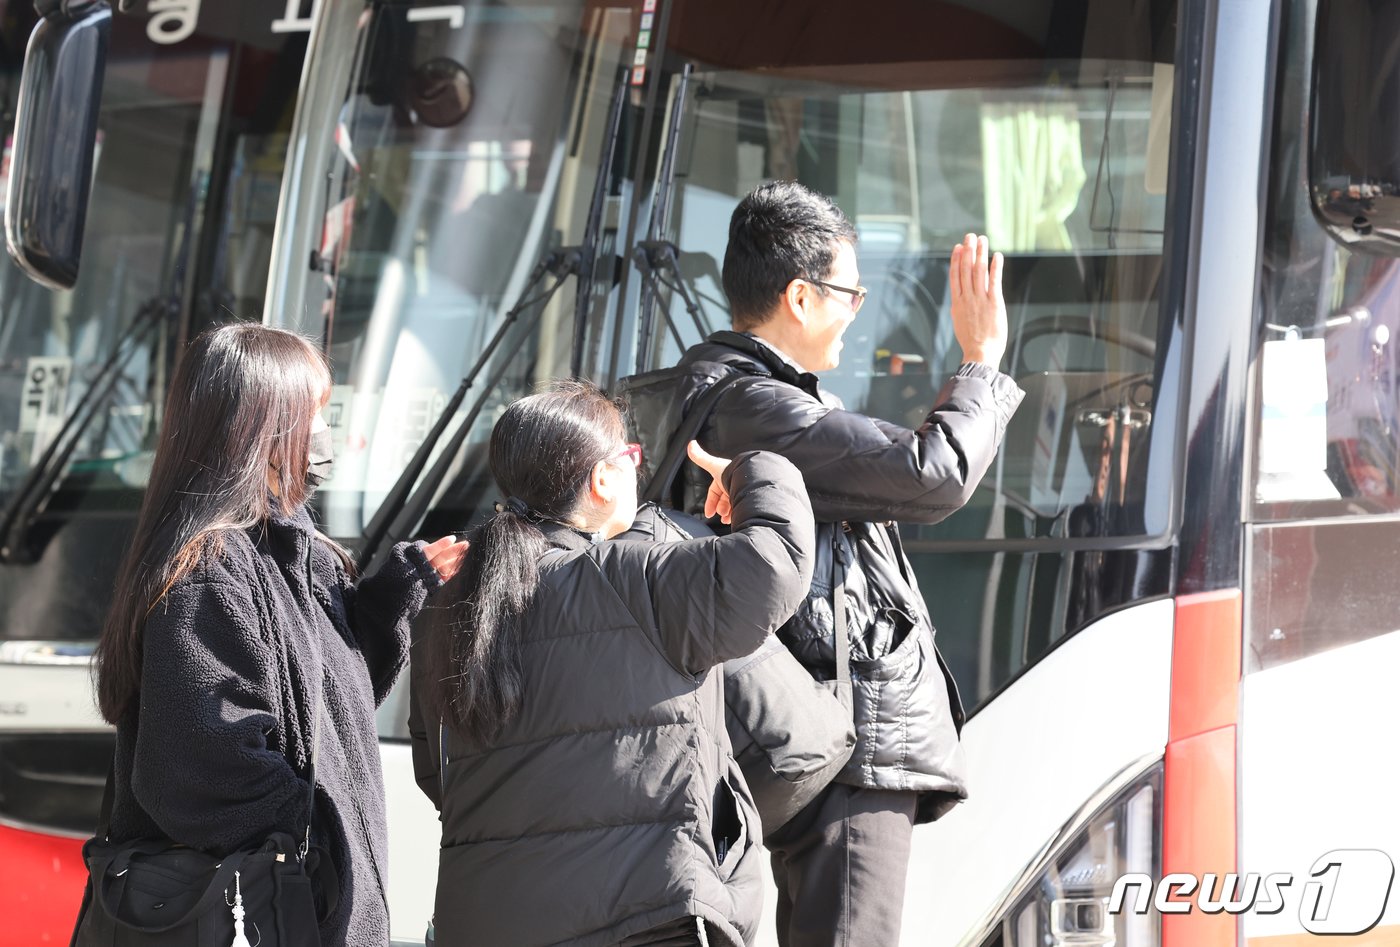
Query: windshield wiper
[658, 260]
[593, 226]
[39, 485]
[559, 264]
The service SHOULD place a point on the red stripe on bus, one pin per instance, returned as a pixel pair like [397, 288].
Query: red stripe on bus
[1199, 829]
[1206, 663]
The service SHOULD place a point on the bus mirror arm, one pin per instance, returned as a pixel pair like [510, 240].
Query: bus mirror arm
[402, 508]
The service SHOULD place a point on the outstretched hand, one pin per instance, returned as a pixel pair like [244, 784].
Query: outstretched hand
[979, 311]
[446, 555]
[717, 500]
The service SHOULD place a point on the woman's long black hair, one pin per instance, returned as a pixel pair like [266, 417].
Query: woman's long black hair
[241, 403]
[543, 450]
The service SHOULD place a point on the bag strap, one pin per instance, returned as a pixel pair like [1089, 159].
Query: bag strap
[305, 845]
[104, 818]
[658, 489]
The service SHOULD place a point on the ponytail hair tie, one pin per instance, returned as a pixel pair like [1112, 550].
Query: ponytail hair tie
[515, 505]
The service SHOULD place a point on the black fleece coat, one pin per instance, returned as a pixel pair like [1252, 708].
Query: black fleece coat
[236, 656]
[611, 803]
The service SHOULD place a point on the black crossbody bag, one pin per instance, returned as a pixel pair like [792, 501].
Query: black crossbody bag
[155, 893]
[791, 734]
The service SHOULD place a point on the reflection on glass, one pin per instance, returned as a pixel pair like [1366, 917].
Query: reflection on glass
[434, 221]
[156, 155]
[1067, 178]
[1328, 441]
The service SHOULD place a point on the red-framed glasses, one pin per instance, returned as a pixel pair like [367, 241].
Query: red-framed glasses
[632, 451]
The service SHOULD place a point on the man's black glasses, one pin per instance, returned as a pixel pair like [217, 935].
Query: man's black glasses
[857, 293]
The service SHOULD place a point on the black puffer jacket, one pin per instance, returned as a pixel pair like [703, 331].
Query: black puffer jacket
[598, 812]
[861, 474]
[235, 657]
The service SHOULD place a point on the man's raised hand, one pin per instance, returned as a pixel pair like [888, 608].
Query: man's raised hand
[979, 311]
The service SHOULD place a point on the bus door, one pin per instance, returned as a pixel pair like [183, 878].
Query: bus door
[191, 136]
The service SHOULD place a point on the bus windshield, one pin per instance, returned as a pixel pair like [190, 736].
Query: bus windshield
[461, 145]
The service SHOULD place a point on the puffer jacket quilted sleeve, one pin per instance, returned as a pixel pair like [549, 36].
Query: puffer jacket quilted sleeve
[864, 469]
[717, 598]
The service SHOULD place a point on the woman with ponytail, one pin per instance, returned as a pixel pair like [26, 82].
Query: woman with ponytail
[239, 643]
[572, 723]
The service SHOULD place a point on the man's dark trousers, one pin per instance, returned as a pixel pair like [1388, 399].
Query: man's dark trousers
[840, 866]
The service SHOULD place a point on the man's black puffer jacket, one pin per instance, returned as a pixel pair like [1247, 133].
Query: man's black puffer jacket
[603, 808]
[862, 475]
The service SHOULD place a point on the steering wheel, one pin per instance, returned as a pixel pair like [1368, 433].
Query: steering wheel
[1088, 328]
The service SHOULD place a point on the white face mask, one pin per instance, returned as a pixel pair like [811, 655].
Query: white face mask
[320, 458]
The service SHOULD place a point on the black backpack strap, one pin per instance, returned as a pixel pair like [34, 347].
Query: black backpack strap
[658, 489]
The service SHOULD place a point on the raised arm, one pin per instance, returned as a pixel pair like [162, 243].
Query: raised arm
[204, 769]
[861, 468]
[717, 598]
[382, 607]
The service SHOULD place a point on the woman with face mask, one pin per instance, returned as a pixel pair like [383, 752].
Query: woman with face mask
[239, 642]
[571, 726]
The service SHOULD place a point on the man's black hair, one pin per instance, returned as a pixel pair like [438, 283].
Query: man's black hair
[780, 232]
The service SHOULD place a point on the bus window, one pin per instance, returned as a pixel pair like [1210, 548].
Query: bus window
[920, 129]
[1050, 133]
[162, 164]
[1058, 153]
[434, 223]
[1326, 435]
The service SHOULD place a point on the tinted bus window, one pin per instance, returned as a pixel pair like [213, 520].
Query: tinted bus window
[1327, 439]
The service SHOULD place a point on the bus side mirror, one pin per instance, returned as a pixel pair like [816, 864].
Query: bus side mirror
[55, 137]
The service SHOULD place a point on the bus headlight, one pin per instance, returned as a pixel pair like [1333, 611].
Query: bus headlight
[1063, 898]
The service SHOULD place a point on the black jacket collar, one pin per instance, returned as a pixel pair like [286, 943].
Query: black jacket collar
[565, 537]
[763, 357]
